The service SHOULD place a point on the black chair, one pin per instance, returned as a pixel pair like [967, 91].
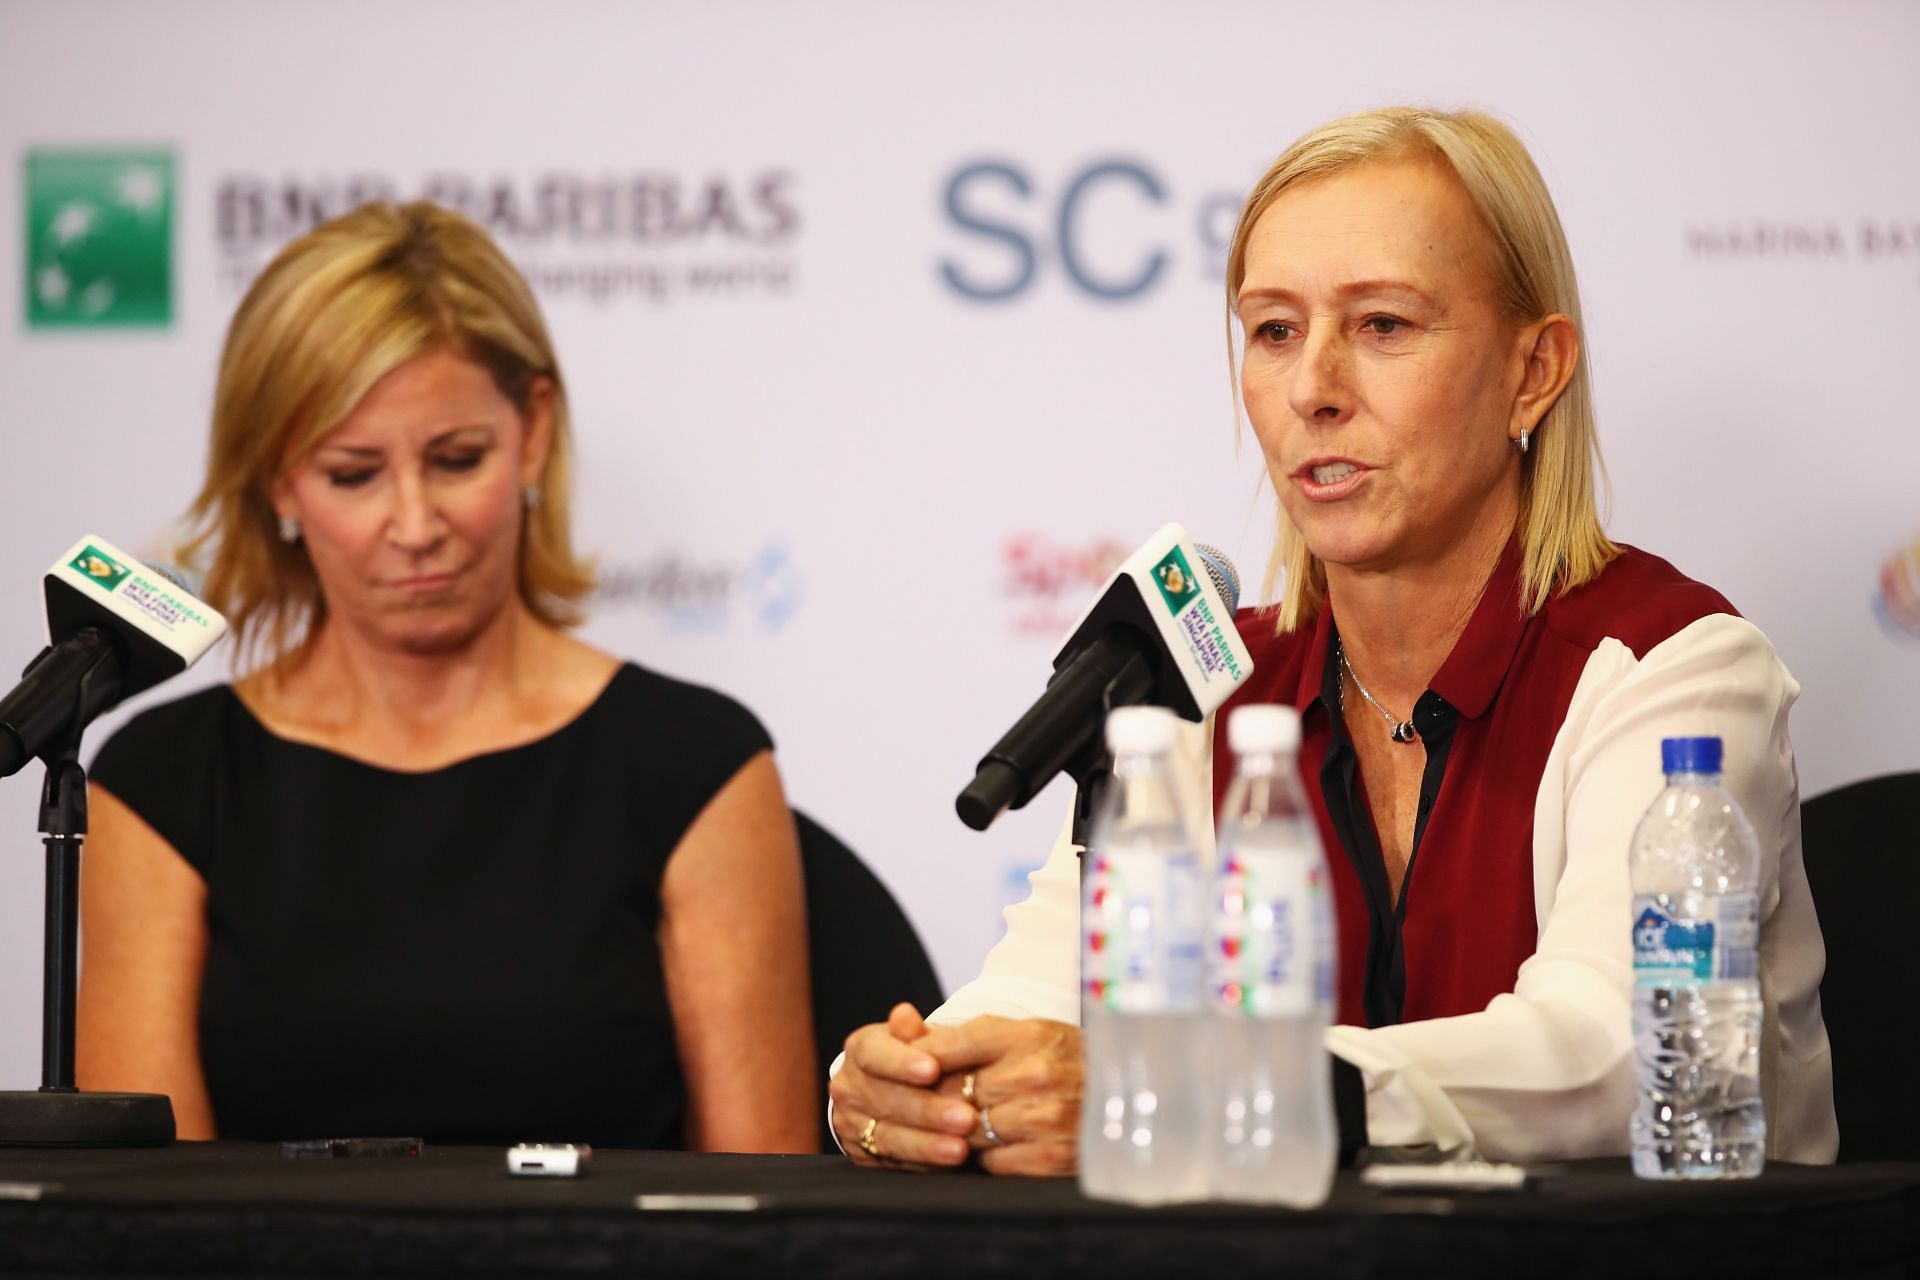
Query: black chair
[1862, 850]
[866, 957]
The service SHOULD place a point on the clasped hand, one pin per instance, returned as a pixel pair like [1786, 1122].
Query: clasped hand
[910, 1077]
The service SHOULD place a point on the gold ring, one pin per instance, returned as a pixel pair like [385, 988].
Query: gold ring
[966, 1090]
[867, 1144]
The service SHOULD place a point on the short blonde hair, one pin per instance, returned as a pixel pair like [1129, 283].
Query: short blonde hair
[1562, 542]
[337, 310]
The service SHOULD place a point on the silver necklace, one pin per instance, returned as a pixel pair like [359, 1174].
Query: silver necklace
[1401, 730]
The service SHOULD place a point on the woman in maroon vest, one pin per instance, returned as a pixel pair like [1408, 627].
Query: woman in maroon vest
[1483, 679]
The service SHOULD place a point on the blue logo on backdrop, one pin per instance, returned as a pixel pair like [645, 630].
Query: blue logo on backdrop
[1017, 232]
[763, 592]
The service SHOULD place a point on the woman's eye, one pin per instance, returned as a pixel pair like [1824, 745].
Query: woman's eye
[466, 461]
[348, 479]
[1275, 331]
[1384, 326]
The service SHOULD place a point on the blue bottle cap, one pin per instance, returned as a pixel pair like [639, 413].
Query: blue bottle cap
[1690, 755]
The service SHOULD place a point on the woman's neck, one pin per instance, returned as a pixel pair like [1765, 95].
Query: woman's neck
[351, 680]
[1398, 625]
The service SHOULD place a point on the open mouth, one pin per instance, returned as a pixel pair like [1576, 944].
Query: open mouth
[1330, 480]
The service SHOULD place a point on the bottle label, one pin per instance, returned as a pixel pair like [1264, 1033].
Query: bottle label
[1141, 932]
[1687, 940]
[1271, 954]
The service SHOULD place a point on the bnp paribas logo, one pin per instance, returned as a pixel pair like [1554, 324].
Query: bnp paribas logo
[99, 230]
[1176, 581]
[100, 568]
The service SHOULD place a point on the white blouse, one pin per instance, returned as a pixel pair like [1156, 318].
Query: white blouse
[1547, 1071]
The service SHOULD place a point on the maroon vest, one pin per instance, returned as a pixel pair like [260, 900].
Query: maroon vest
[1465, 920]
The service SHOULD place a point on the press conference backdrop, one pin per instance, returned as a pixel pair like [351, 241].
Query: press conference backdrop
[890, 327]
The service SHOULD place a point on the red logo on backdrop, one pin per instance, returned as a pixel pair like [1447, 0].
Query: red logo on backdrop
[1049, 582]
[1899, 602]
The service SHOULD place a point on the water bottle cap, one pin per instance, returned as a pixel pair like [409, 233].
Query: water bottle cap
[1262, 728]
[1134, 731]
[1690, 755]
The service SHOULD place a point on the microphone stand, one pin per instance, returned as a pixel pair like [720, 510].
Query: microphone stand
[58, 1114]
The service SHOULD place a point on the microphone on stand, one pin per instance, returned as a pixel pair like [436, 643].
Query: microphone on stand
[1161, 633]
[115, 627]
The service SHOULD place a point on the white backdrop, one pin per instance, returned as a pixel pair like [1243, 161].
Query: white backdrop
[827, 474]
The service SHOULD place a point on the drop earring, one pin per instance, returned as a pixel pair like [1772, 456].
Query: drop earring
[530, 496]
[289, 529]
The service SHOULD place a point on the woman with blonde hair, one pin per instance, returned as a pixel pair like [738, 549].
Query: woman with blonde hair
[1483, 679]
[432, 866]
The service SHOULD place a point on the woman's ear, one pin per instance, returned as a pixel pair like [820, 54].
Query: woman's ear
[1551, 348]
[537, 422]
[280, 496]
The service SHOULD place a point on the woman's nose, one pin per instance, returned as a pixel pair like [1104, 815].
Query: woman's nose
[1322, 389]
[415, 524]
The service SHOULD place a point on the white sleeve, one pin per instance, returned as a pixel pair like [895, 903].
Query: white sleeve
[1547, 1071]
[1034, 970]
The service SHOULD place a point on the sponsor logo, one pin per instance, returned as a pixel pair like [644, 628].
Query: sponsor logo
[649, 237]
[1175, 580]
[1205, 633]
[99, 228]
[1050, 582]
[763, 591]
[100, 568]
[162, 605]
[1112, 230]
[1898, 604]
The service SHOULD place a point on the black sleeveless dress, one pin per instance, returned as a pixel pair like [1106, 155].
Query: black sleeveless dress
[463, 955]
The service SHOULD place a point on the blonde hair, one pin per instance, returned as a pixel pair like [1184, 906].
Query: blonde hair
[337, 310]
[1562, 542]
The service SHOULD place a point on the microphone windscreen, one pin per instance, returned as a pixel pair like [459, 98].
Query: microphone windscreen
[1226, 579]
[185, 579]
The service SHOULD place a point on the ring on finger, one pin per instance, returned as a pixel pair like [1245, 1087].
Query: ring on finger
[966, 1091]
[867, 1142]
[986, 1127]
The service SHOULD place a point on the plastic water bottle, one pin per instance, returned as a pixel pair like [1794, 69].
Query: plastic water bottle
[1272, 1136]
[1696, 997]
[1142, 927]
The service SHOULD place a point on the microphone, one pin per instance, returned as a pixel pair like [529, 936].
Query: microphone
[115, 627]
[1160, 633]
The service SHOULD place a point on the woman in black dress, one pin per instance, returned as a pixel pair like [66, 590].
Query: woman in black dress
[433, 866]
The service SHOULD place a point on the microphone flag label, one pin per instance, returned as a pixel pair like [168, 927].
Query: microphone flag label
[95, 574]
[1157, 588]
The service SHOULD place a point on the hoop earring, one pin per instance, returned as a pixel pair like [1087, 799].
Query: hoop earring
[289, 529]
[1523, 440]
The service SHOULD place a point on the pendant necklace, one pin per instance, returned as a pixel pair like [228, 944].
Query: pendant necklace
[1401, 730]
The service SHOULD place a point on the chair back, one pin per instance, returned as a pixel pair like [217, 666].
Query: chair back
[865, 954]
[1861, 844]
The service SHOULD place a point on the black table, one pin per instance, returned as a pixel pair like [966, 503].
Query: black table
[239, 1209]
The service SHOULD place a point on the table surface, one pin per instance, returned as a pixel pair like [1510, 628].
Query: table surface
[239, 1208]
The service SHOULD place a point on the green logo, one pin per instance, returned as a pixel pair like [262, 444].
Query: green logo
[100, 568]
[1177, 585]
[99, 239]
